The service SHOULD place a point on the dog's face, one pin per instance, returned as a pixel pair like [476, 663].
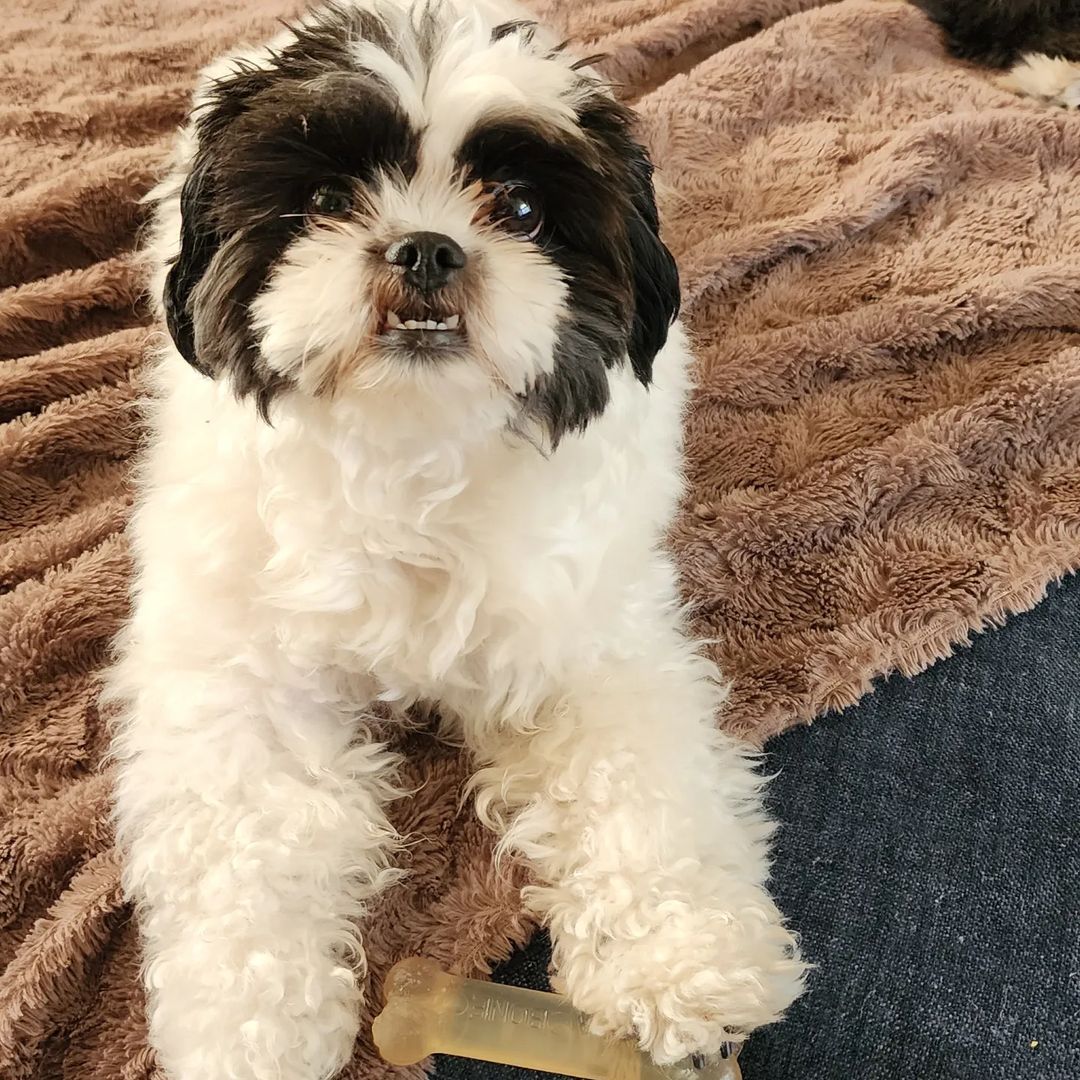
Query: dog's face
[416, 198]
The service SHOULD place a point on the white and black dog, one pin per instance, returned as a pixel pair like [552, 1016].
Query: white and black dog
[416, 438]
[1038, 41]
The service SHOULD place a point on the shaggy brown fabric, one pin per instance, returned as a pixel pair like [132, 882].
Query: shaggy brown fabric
[880, 256]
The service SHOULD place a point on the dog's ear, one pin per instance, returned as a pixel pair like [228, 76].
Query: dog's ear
[650, 271]
[199, 242]
[655, 277]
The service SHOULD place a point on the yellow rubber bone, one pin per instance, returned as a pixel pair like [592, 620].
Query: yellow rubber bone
[428, 1011]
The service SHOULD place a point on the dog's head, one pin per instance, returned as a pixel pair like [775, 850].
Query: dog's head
[418, 198]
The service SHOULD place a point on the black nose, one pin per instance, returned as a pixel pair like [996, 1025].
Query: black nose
[431, 260]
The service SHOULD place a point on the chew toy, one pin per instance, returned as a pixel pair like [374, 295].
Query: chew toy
[427, 1011]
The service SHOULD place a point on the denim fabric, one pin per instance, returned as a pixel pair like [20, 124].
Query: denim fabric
[930, 857]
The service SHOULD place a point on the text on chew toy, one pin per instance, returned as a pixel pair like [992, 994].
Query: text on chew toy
[487, 1007]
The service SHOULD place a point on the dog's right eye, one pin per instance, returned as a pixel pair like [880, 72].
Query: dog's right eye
[516, 209]
[329, 200]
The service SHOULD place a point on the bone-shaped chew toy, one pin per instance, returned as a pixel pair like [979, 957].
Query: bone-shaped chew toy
[428, 1011]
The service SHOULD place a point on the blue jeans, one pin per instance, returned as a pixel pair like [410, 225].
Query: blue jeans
[930, 857]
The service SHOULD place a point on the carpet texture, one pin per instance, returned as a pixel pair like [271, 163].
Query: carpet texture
[879, 252]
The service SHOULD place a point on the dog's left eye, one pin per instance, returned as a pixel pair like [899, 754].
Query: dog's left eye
[516, 208]
[331, 199]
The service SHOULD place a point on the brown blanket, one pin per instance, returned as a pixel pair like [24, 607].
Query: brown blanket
[881, 259]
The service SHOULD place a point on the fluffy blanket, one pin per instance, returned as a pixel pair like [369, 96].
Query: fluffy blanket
[881, 259]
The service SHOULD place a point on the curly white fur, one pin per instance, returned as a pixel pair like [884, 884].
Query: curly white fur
[413, 546]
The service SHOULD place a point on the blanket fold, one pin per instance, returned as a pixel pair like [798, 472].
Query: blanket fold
[879, 250]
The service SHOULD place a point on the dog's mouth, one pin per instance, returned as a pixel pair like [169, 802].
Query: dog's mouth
[420, 323]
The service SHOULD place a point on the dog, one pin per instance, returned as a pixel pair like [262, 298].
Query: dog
[413, 439]
[1036, 41]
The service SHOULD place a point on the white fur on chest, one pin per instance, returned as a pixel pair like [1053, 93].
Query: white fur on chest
[433, 564]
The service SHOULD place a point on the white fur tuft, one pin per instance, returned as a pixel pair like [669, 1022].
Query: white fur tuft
[1052, 79]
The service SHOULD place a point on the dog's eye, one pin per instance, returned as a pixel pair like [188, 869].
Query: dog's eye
[332, 199]
[517, 209]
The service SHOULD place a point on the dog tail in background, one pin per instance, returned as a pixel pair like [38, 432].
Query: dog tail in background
[1037, 42]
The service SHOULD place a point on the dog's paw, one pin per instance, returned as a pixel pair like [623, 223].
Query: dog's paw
[689, 982]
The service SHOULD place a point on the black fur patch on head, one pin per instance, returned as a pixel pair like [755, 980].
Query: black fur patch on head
[654, 276]
[267, 136]
[325, 35]
[999, 32]
[601, 230]
[525, 28]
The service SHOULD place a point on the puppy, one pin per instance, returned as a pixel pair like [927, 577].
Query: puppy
[1037, 40]
[415, 438]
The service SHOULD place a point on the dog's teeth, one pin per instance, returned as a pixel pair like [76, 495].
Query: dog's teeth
[395, 322]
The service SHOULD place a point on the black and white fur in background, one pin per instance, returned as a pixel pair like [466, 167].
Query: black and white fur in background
[1037, 42]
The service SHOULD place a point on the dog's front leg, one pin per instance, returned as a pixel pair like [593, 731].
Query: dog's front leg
[253, 830]
[644, 827]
